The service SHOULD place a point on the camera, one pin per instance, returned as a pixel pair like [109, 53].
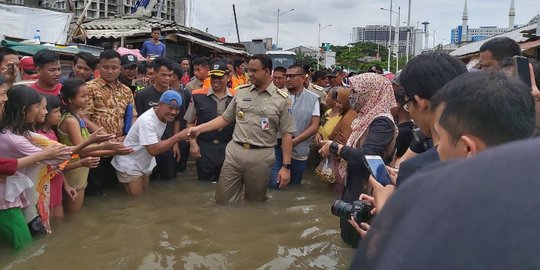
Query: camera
[359, 210]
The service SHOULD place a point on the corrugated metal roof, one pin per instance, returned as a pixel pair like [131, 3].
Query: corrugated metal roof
[129, 26]
[516, 35]
[212, 45]
[134, 25]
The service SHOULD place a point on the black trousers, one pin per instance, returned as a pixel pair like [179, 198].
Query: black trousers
[211, 160]
[184, 155]
[103, 176]
[166, 166]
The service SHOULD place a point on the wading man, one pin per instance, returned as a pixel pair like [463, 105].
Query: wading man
[259, 111]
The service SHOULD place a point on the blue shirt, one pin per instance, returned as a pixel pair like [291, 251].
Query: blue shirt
[149, 47]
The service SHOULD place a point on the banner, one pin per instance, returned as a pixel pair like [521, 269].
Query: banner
[22, 22]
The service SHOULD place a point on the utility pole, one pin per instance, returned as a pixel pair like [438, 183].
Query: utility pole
[408, 32]
[390, 36]
[396, 39]
[236, 23]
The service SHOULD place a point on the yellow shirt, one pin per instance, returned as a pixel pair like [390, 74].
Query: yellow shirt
[326, 129]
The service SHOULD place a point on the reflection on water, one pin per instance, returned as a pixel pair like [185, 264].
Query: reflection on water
[177, 225]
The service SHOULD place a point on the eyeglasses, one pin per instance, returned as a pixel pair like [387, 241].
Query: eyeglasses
[289, 76]
[405, 105]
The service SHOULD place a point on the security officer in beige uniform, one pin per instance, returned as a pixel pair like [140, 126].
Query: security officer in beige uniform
[259, 111]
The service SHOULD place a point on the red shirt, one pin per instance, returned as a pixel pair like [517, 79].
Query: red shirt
[8, 166]
[54, 92]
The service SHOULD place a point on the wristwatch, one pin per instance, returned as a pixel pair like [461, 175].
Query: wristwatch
[334, 146]
[286, 166]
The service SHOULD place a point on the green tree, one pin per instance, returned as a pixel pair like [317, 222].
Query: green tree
[304, 58]
[353, 55]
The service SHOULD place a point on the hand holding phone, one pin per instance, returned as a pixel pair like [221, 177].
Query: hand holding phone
[376, 166]
[522, 69]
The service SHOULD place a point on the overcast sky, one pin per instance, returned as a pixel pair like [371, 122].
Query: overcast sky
[258, 19]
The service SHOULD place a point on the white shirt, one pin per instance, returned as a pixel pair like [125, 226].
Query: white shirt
[146, 130]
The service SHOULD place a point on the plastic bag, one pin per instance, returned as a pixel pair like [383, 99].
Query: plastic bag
[325, 171]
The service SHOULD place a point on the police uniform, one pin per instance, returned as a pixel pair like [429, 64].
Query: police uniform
[317, 90]
[258, 117]
[321, 93]
[197, 84]
[204, 107]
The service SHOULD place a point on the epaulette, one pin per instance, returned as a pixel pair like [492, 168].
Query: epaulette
[283, 93]
[243, 86]
[318, 87]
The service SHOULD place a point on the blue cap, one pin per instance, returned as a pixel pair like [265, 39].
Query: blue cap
[169, 96]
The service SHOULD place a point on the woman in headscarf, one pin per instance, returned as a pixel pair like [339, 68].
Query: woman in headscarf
[373, 133]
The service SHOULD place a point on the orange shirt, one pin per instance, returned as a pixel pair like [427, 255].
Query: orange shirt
[238, 80]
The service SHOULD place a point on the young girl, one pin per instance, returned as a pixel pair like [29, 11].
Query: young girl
[72, 130]
[20, 112]
[47, 128]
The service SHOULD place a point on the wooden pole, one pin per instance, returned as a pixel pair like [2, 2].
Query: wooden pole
[79, 21]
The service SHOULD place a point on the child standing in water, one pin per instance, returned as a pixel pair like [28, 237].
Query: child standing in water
[47, 128]
[72, 130]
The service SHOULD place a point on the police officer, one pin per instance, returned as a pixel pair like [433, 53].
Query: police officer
[259, 111]
[206, 104]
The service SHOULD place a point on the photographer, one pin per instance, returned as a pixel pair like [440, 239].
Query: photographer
[9, 65]
[373, 133]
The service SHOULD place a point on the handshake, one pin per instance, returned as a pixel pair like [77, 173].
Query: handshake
[188, 133]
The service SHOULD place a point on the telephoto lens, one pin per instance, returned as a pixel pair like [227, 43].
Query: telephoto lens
[359, 210]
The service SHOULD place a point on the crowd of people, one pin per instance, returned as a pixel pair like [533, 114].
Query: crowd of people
[250, 127]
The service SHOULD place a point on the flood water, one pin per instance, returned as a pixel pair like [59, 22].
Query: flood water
[177, 225]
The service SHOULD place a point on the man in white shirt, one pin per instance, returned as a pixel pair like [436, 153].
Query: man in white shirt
[133, 170]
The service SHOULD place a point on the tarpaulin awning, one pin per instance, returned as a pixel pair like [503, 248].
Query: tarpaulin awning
[33, 49]
[212, 45]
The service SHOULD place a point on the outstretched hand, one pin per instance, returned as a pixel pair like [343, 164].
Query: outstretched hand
[100, 136]
[57, 151]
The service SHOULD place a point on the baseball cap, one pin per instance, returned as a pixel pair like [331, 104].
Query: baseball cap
[335, 71]
[128, 60]
[168, 96]
[219, 69]
[27, 63]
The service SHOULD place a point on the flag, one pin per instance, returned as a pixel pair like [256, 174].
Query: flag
[139, 3]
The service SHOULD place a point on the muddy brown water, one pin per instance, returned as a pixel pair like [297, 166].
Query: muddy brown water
[177, 225]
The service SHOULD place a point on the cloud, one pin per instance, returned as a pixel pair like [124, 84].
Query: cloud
[258, 19]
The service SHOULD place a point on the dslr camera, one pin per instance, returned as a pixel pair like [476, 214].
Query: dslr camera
[359, 210]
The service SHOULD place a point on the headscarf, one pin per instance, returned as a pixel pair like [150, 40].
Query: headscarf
[372, 97]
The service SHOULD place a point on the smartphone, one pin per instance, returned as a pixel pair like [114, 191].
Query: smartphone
[377, 168]
[523, 72]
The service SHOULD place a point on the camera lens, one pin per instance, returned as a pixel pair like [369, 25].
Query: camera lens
[341, 209]
[360, 210]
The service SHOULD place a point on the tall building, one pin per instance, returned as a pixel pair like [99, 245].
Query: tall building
[173, 10]
[378, 34]
[463, 33]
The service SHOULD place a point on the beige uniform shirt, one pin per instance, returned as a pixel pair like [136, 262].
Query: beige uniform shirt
[319, 91]
[195, 84]
[260, 115]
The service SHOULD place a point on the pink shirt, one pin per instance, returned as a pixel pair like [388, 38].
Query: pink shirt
[16, 146]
